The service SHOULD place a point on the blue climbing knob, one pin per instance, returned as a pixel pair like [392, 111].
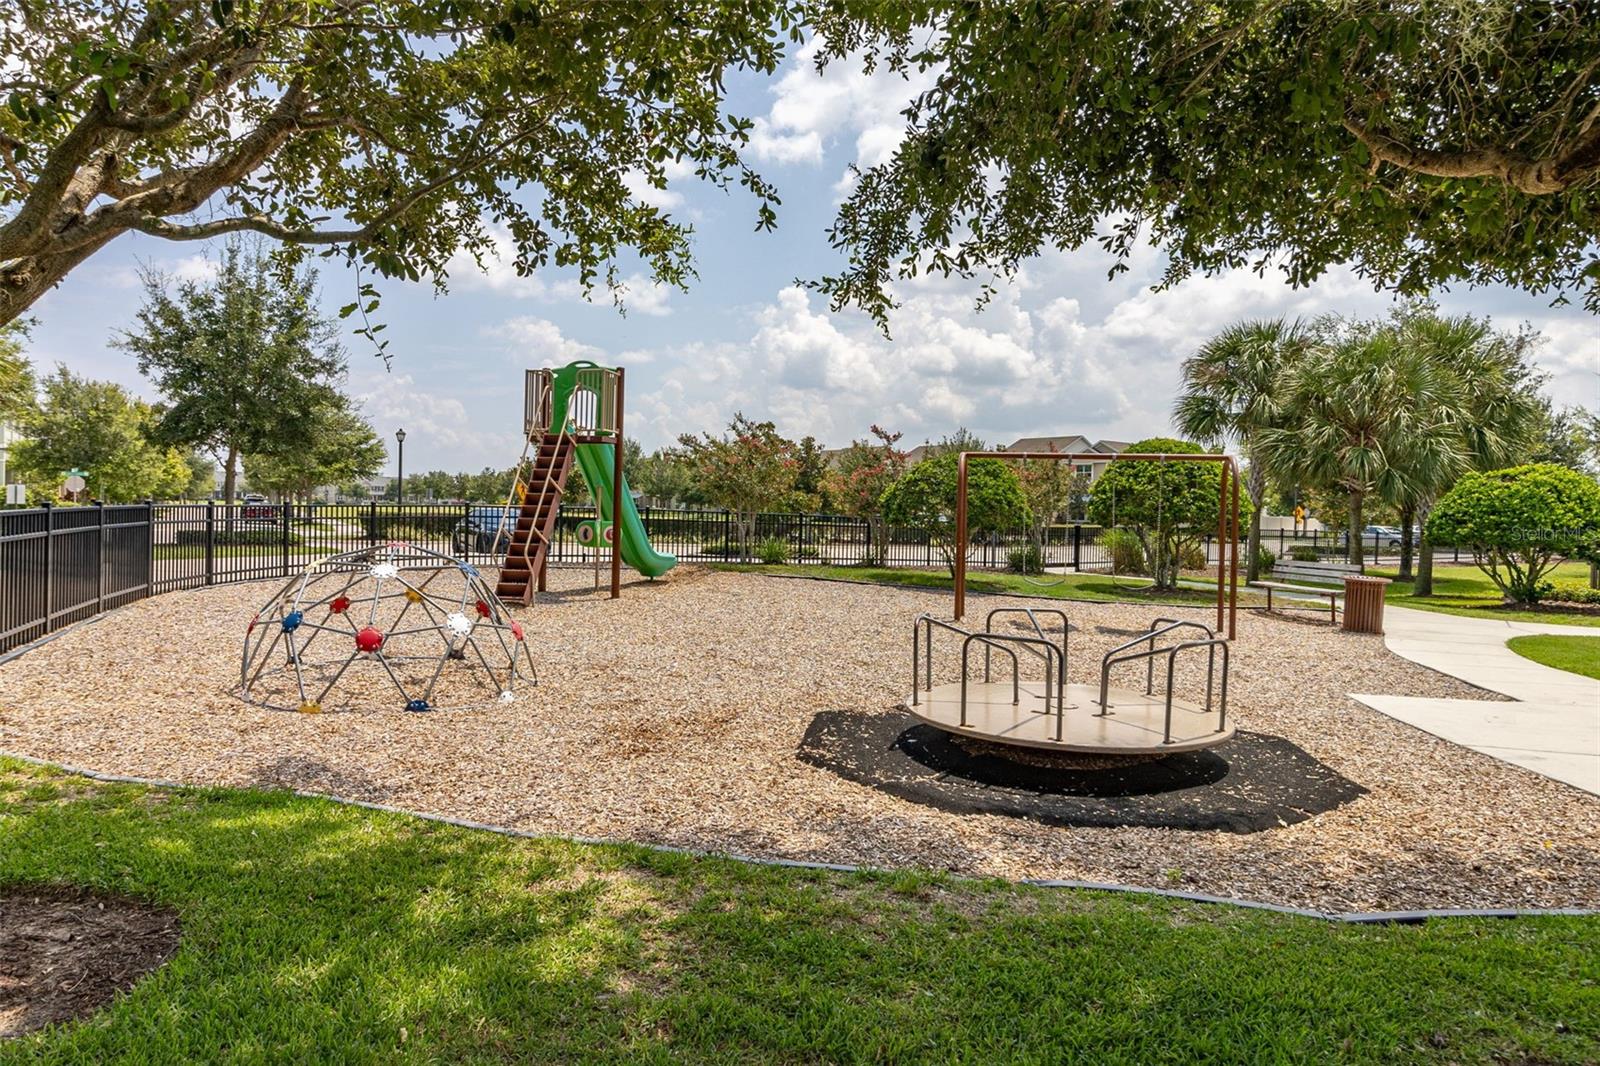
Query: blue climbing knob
[418, 705]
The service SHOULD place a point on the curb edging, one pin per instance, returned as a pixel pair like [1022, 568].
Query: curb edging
[1400, 917]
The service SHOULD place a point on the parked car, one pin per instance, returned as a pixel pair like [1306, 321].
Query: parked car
[477, 529]
[255, 508]
[1385, 535]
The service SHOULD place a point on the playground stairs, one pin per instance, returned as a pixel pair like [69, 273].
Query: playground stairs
[536, 522]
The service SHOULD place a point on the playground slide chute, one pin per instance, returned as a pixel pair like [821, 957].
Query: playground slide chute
[597, 463]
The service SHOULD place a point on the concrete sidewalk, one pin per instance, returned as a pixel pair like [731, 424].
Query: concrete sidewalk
[1551, 728]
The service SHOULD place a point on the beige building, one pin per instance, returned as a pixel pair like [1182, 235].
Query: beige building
[1071, 443]
[8, 437]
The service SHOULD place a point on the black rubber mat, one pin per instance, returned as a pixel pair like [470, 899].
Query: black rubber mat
[1247, 784]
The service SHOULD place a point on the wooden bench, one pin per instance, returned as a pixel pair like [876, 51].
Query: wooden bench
[1304, 590]
[1333, 573]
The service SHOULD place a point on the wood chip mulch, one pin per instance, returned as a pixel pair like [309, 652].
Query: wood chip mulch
[673, 715]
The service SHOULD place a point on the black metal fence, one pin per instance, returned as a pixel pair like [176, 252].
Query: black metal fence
[62, 564]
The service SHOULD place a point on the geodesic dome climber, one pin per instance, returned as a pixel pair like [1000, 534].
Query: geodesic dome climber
[394, 619]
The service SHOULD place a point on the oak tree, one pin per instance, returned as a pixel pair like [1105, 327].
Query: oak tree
[394, 134]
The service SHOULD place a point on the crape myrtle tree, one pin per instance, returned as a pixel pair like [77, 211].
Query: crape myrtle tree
[395, 135]
[245, 359]
[860, 476]
[1171, 507]
[748, 469]
[1232, 392]
[925, 497]
[1520, 523]
[1421, 142]
[1047, 486]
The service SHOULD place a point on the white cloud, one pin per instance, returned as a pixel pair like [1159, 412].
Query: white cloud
[539, 342]
[644, 192]
[641, 295]
[1033, 361]
[498, 273]
[439, 427]
[810, 111]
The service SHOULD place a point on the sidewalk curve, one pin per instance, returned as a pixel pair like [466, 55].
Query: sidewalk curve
[1550, 724]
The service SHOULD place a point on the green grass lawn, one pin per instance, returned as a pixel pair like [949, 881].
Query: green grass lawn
[315, 932]
[1468, 590]
[1576, 655]
[1094, 587]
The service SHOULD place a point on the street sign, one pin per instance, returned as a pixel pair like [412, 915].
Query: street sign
[74, 484]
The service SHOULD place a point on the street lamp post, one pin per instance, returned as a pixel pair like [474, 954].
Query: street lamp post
[400, 482]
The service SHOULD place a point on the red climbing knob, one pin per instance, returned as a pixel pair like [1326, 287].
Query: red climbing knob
[483, 609]
[340, 605]
[516, 630]
[369, 639]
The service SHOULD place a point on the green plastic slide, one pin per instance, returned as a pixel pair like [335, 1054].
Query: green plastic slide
[597, 463]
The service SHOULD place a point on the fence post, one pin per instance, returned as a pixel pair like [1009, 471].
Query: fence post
[1077, 547]
[211, 542]
[49, 562]
[285, 538]
[372, 523]
[867, 557]
[150, 545]
[727, 540]
[100, 560]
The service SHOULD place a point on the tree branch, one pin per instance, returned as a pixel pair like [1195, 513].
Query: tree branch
[1536, 177]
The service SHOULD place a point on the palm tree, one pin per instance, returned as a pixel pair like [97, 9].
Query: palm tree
[1232, 392]
[1495, 409]
[1367, 415]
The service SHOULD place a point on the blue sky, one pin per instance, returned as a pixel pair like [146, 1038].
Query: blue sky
[1060, 350]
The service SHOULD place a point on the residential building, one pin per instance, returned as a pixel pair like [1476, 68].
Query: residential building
[1073, 444]
[8, 437]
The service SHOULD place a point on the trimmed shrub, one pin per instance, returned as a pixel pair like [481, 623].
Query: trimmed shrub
[1125, 549]
[1265, 560]
[1519, 523]
[1570, 592]
[1024, 560]
[1304, 553]
[772, 551]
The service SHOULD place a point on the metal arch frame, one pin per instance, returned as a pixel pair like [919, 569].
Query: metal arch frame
[1227, 517]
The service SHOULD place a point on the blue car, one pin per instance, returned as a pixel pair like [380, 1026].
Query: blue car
[477, 530]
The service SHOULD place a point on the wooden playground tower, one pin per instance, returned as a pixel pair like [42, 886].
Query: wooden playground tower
[562, 408]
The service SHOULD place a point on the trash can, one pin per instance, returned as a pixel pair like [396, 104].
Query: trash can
[1363, 603]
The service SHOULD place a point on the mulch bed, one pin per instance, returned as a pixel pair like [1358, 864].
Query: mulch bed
[1250, 783]
[65, 952]
[673, 715]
